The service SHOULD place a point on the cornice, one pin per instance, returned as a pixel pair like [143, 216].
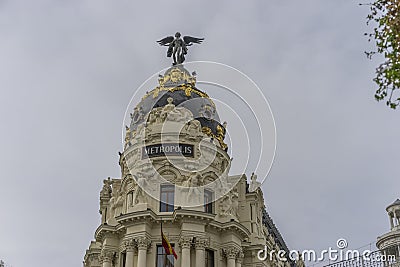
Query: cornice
[105, 230]
[388, 239]
[132, 218]
[178, 215]
[233, 227]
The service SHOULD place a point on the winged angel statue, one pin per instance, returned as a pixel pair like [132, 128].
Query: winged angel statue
[177, 47]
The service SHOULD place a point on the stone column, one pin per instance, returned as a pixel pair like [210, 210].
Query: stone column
[391, 221]
[231, 261]
[185, 243]
[239, 259]
[143, 244]
[201, 244]
[179, 259]
[231, 253]
[130, 252]
[106, 257]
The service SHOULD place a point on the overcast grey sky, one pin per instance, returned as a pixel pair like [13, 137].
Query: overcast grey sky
[69, 68]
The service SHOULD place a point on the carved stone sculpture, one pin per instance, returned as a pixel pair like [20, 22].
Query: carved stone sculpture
[193, 128]
[254, 184]
[177, 47]
[139, 195]
[229, 205]
[106, 190]
[191, 186]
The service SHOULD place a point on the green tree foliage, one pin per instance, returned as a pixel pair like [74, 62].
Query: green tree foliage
[385, 16]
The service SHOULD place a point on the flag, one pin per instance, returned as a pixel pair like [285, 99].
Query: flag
[169, 250]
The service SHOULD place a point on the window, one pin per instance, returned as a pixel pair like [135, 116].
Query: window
[209, 258]
[208, 201]
[167, 193]
[164, 260]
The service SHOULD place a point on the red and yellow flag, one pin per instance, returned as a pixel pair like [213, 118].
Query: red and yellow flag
[169, 250]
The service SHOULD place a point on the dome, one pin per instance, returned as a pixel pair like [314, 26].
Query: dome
[177, 83]
[396, 203]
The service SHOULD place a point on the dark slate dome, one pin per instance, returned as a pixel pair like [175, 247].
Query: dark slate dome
[396, 203]
[177, 83]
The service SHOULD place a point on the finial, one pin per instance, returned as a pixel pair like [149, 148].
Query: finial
[177, 47]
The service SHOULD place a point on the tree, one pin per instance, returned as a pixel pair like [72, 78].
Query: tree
[385, 14]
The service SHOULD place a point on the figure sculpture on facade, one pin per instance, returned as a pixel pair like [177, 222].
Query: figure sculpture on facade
[106, 190]
[184, 115]
[111, 204]
[139, 195]
[193, 194]
[254, 184]
[123, 165]
[229, 205]
[177, 47]
[235, 204]
[224, 206]
[193, 128]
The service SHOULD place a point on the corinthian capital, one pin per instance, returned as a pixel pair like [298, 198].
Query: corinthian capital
[106, 255]
[202, 243]
[231, 252]
[130, 244]
[143, 242]
[185, 241]
[240, 257]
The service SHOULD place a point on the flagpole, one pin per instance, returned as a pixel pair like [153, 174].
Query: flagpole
[165, 253]
[168, 249]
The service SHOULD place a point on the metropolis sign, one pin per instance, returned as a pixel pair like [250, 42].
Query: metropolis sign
[170, 149]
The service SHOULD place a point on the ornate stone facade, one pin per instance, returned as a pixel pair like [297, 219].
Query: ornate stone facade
[389, 243]
[180, 178]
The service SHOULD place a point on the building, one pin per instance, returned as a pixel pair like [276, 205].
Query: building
[174, 175]
[389, 243]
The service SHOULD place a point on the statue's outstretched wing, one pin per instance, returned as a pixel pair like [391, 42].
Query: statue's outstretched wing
[192, 40]
[166, 41]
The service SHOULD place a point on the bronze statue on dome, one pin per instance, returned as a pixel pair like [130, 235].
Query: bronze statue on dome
[177, 47]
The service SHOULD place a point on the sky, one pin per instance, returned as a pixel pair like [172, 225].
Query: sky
[69, 69]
